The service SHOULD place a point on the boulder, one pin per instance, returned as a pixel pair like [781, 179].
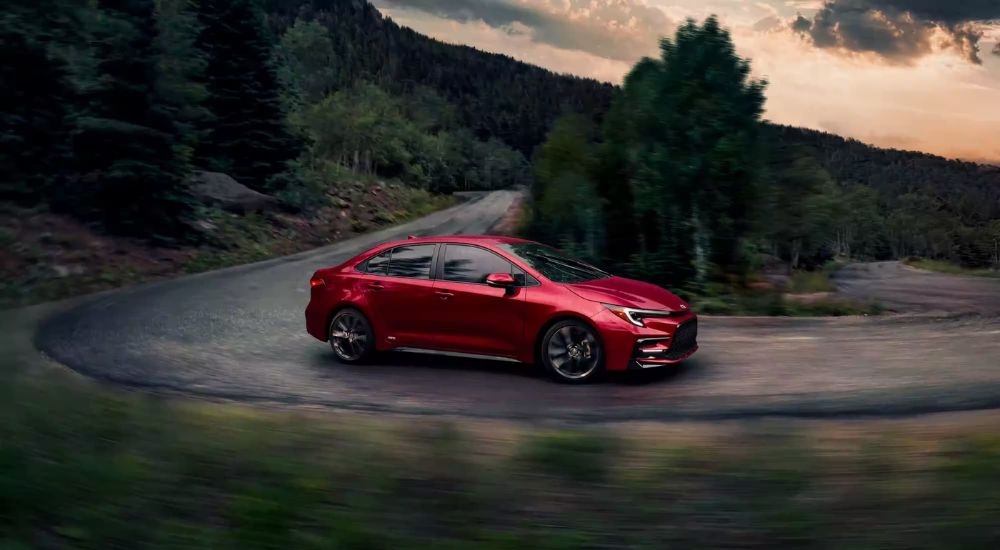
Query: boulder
[227, 193]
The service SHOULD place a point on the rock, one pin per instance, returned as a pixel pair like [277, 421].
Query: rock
[204, 225]
[67, 270]
[227, 193]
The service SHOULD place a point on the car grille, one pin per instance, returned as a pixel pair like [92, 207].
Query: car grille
[685, 339]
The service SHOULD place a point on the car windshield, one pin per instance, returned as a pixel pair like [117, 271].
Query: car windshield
[553, 264]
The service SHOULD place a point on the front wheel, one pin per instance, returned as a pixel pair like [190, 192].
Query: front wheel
[351, 336]
[571, 352]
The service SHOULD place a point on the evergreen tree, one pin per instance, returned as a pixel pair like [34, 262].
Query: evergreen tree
[249, 137]
[695, 121]
[132, 175]
[181, 67]
[37, 96]
[308, 66]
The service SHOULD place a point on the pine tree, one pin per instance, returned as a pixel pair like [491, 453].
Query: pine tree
[249, 137]
[696, 121]
[36, 98]
[133, 177]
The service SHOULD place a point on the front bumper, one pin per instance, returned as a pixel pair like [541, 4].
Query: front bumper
[659, 351]
[661, 343]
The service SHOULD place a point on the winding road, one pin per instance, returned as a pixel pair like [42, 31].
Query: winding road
[239, 334]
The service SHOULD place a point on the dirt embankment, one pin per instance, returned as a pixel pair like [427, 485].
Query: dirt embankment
[46, 256]
[513, 219]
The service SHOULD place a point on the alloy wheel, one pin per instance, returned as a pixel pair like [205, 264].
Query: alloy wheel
[349, 335]
[573, 352]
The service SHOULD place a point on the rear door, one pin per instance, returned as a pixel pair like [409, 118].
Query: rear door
[399, 289]
[470, 316]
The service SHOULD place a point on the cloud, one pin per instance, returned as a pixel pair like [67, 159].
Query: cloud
[769, 24]
[900, 31]
[623, 30]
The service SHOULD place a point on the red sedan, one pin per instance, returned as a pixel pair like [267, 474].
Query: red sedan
[497, 297]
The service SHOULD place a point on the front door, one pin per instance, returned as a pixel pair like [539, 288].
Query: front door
[470, 316]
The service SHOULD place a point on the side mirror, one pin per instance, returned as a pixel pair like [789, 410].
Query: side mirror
[501, 280]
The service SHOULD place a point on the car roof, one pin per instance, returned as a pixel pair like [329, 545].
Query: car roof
[459, 239]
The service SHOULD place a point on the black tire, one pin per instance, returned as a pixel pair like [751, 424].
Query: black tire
[571, 352]
[351, 336]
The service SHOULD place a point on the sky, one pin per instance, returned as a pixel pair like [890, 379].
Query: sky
[909, 74]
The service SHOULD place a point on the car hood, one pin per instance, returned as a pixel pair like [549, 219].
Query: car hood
[629, 293]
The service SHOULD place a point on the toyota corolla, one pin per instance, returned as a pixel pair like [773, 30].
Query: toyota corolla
[497, 297]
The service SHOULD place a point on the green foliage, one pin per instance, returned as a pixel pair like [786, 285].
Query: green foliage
[83, 469]
[950, 268]
[901, 203]
[681, 143]
[131, 172]
[801, 200]
[567, 210]
[697, 170]
[372, 132]
[810, 281]
[35, 90]
[578, 456]
[493, 95]
[249, 137]
[308, 61]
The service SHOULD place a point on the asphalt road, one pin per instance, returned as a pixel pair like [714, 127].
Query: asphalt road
[239, 334]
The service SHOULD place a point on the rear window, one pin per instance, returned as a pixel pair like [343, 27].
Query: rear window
[413, 262]
[377, 265]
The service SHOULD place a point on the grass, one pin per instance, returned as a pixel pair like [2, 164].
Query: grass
[84, 468]
[818, 280]
[790, 299]
[950, 268]
[731, 301]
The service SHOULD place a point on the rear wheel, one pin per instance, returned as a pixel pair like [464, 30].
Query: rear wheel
[571, 352]
[351, 336]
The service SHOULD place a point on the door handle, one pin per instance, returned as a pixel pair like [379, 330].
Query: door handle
[376, 286]
[443, 294]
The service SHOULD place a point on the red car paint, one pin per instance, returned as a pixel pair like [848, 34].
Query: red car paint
[430, 313]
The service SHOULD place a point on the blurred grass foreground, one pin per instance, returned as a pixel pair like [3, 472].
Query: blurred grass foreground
[81, 467]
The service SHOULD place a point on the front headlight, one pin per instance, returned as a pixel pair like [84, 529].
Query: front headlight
[636, 316]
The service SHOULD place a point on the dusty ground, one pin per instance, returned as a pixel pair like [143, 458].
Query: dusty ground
[238, 334]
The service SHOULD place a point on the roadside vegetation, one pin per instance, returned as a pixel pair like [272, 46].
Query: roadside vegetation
[50, 257]
[689, 188]
[950, 268]
[115, 110]
[84, 468]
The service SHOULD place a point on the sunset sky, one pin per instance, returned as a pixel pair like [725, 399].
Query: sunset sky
[911, 74]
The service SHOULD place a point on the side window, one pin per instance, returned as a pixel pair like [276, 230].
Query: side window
[470, 264]
[522, 278]
[411, 261]
[376, 265]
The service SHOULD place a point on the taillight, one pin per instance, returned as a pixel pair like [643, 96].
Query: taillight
[316, 281]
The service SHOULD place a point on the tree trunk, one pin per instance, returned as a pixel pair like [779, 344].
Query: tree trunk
[996, 253]
[700, 252]
[796, 252]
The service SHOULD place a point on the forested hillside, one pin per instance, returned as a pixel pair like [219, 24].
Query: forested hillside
[915, 203]
[496, 95]
[112, 108]
[686, 185]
